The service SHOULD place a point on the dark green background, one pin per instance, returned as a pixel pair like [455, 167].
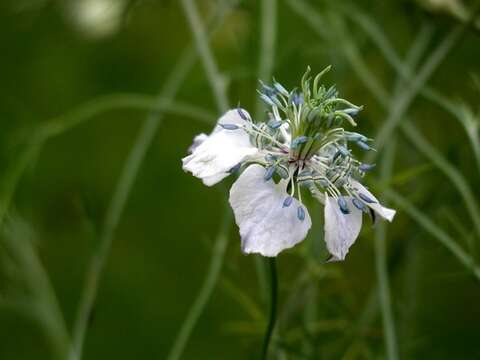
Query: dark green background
[162, 247]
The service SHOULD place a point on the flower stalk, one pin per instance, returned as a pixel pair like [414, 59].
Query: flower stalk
[273, 307]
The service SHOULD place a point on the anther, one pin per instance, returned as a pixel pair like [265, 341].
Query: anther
[269, 173]
[229, 126]
[366, 198]
[358, 204]
[342, 204]
[366, 167]
[300, 213]
[242, 114]
[287, 202]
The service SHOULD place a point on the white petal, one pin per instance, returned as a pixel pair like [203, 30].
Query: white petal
[266, 227]
[213, 156]
[341, 230]
[197, 141]
[384, 212]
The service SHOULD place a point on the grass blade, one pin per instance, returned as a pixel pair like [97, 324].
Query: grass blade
[390, 338]
[206, 290]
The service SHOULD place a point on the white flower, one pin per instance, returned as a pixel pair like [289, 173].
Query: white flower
[213, 156]
[307, 149]
[266, 225]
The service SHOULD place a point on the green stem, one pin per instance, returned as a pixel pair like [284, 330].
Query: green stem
[58, 125]
[268, 35]
[381, 265]
[273, 307]
[403, 100]
[201, 42]
[124, 186]
[429, 226]
[206, 290]
[119, 199]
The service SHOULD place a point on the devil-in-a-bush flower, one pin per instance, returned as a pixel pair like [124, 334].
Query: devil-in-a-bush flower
[301, 148]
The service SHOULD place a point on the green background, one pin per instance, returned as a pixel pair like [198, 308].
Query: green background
[51, 63]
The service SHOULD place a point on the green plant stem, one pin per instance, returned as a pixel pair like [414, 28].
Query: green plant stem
[125, 184]
[114, 212]
[381, 264]
[268, 35]
[119, 199]
[273, 307]
[449, 170]
[14, 174]
[216, 83]
[201, 42]
[378, 37]
[41, 301]
[58, 125]
[61, 124]
[399, 104]
[423, 220]
[206, 290]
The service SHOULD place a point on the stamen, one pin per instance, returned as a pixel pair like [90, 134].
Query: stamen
[298, 141]
[366, 167]
[358, 204]
[242, 114]
[275, 124]
[300, 213]
[363, 145]
[342, 204]
[229, 126]
[269, 173]
[366, 198]
[288, 201]
[235, 168]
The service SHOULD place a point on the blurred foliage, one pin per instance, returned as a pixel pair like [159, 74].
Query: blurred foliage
[57, 185]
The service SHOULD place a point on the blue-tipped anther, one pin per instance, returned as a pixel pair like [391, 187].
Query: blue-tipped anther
[342, 204]
[331, 92]
[269, 173]
[358, 204]
[363, 145]
[298, 141]
[267, 90]
[366, 167]
[352, 111]
[353, 136]
[274, 124]
[296, 98]
[280, 88]
[300, 213]
[270, 157]
[366, 198]
[242, 114]
[288, 201]
[229, 126]
[235, 168]
[267, 100]
[343, 151]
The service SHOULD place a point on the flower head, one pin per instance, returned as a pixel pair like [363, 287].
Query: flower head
[301, 147]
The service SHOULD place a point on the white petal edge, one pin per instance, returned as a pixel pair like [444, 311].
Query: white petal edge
[214, 155]
[341, 230]
[266, 227]
[384, 212]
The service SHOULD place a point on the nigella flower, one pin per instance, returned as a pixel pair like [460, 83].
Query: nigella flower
[302, 147]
